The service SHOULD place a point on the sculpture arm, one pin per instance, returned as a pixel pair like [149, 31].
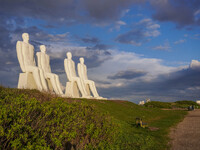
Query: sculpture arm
[20, 56]
[85, 72]
[73, 70]
[39, 59]
[67, 70]
[79, 70]
[49, 67]
[34, 62]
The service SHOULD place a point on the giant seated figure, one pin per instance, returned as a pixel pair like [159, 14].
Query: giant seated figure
[89, 84]
[74, 84]
[44, 64]
[32, 77]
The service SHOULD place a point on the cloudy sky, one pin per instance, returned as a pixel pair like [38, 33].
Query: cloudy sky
[134, 49]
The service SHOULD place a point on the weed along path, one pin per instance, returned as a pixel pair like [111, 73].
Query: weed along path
[186, 136]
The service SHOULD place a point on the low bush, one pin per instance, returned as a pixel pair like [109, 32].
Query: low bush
[157, 104]
[171, 105]
[185, 104]
[26, 123]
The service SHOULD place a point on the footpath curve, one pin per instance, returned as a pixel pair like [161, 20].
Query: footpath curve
[186, 135]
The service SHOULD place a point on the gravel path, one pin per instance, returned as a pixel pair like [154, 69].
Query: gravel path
[186, 135]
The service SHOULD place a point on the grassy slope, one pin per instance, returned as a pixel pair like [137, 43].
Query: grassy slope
[124, 114]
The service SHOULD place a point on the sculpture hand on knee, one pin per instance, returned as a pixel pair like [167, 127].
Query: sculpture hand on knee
[25, 55]
[44, 65]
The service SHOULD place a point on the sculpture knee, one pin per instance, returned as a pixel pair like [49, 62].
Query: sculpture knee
[91, 83]
[78, 80]
[35, 70]
[56, 76]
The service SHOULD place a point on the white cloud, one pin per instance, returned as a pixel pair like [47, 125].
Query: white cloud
[117, 25]
[180, 41]
[151, 28]
[127, 61]
[140, 33]
[195, 64]
[164, 47]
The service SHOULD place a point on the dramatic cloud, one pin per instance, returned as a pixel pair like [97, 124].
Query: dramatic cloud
[195, 64]
[108, 10]
[142, 32]
[118, 74]
[89, 39]
[131, 63]
[39, 35]
[181, 12]
[100, 47]
[181, 84]
[99, 12]
[67, 11]
[129, 74]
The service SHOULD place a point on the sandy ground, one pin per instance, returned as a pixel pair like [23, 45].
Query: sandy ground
[186, 135]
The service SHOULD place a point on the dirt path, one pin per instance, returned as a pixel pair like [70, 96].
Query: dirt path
[186, 136]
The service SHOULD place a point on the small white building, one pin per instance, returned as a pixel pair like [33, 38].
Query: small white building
[141, 103]
[148, 100]
[198, 102]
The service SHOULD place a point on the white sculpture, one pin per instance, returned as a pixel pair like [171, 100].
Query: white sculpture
[89, 84]
[44, 64]
[141, 103]
[74, 82]
[32, 77]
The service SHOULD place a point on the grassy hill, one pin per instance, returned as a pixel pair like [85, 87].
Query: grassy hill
[30, 119]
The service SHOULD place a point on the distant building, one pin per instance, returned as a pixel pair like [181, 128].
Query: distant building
[198, 102]
[148, 100]
[141, 103]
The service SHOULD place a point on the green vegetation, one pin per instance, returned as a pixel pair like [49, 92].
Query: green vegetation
[33, 120]
[172, 105]
[26, 123]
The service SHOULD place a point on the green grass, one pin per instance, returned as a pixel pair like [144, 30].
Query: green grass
[172, 105]
[125, 112]
[81, 123]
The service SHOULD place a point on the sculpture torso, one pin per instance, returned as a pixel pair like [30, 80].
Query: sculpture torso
[82, 71]
[70, 69]
[28, 54]
[45, 63]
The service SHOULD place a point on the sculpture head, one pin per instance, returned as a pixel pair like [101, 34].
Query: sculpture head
[69, 55]
[43, 48]
[81, 60]
[25, 37]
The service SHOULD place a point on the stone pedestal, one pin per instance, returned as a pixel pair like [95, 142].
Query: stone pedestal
[26, 81]
[72, 90]
[49, 85]
[88, 89]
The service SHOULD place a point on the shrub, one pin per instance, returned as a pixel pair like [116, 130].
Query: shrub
[157, 104]
[26, 123]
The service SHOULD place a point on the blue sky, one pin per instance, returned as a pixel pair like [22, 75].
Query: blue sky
[134, 49]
